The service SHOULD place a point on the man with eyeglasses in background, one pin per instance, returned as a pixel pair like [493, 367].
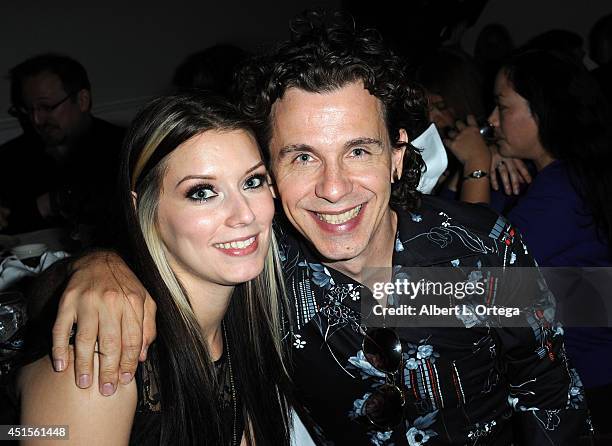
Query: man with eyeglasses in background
[60, 170]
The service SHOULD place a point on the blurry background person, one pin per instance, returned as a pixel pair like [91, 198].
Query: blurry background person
[61, 171]
[453, 85]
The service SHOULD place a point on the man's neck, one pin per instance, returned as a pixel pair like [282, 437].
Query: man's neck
[378, 253]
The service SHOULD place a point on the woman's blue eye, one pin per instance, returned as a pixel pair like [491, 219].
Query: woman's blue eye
[254, 182]
[201, 193]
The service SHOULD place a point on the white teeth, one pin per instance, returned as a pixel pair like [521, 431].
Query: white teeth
[236, 245]
[338, 219]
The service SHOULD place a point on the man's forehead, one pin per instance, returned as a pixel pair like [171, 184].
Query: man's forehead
[349, 109]
[44, 84]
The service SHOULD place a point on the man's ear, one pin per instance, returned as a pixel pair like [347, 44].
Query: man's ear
[397, 156]
[84, 100]
[135, 200]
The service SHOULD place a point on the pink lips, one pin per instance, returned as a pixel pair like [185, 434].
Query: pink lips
[238, 252]
[339, 228]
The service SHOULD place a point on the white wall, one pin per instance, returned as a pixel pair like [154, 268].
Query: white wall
[130, 48]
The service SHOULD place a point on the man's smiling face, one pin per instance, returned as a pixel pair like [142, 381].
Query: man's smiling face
[333, 164]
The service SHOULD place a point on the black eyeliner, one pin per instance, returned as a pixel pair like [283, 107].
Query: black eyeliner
[192, 190]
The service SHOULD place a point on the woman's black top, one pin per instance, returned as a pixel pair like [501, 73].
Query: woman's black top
[146, 428]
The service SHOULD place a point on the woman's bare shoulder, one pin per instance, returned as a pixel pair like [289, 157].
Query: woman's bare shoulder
[52, 398]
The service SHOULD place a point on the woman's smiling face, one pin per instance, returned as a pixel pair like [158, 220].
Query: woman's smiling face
[215, 208]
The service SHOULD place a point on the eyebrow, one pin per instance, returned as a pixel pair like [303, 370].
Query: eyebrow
[294, 148]
[362, 141]
[212, 177]
[255, 167]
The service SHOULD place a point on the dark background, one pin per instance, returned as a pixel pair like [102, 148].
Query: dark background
[130, 48]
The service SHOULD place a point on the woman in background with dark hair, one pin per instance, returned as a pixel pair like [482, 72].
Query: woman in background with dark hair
[198, 214]
[550, 111]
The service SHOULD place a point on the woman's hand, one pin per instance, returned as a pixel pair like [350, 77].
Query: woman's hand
[470, 148]
[111, 307]
[512, 172]
[467, 144]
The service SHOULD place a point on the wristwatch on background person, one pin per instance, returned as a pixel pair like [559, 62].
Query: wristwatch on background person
[475, 175]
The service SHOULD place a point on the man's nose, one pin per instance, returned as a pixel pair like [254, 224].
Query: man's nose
[240, 212]
[37, 116]
[334, 183]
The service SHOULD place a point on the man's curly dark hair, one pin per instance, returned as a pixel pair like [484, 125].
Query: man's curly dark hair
[324, 54]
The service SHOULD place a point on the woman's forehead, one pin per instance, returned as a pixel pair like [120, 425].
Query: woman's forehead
[214, 151]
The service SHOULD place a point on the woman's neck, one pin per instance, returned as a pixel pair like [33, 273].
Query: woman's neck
[543, 159]
[210, 303]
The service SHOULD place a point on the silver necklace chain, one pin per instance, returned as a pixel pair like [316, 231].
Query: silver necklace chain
[232, 388]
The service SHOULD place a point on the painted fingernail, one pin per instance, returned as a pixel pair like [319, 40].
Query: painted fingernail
[125, 378]
[84, 381]
[58, 365]
[108, 389]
